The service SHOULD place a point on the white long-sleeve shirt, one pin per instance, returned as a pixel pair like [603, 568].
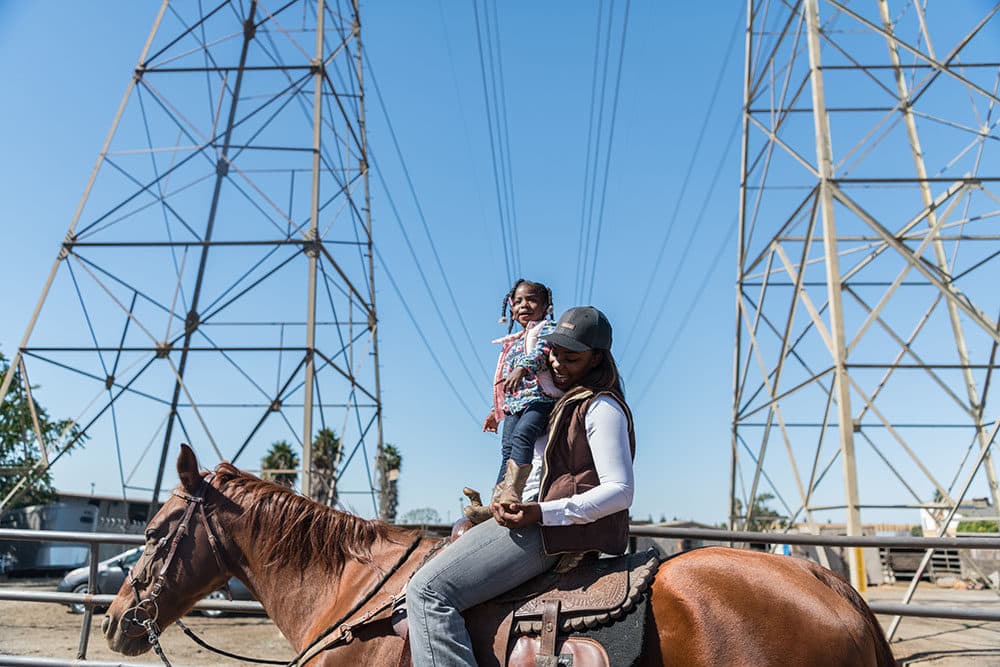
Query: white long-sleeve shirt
[607, 434]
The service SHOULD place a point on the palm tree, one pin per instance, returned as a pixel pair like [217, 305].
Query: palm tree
[327, 450]
[389, 463]
[280, 464]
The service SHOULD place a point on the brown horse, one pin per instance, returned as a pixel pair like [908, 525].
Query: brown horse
[316, 570]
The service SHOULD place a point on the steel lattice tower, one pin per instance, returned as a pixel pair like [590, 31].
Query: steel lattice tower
[216, 283]
[868, 257]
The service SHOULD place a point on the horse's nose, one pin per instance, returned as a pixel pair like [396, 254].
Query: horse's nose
[105, 624]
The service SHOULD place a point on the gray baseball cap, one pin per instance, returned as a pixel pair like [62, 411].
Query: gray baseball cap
[582, 328]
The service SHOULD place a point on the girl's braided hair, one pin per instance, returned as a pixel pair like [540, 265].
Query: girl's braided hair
[508, 300]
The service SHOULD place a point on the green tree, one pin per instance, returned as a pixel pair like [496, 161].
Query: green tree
[762, 517]
[327, 450]
[422, 516]
[389, 463]
[280, 463]
[24, 479]
[977, 526]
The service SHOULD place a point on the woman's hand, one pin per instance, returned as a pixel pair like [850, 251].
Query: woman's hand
[511, 382]
[517, 515]
[490, 424]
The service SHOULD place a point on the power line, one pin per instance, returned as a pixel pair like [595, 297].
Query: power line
[465, 121]
[687, 176]
[588, 223]
[420, 270]
[508, 251]
[506, 154]
[713, 266]
[423, 338]
[607, 159]
[678, 265]
[423, 219]
[590, 142]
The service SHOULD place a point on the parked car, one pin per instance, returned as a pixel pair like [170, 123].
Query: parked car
[111, 574]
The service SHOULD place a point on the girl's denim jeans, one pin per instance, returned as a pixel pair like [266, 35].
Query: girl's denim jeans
[520, 431]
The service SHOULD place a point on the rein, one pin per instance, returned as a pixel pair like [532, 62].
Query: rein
[315, 647]
[145, 612]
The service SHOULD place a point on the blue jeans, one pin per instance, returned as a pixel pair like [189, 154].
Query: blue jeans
[520, 430]
[484, 562]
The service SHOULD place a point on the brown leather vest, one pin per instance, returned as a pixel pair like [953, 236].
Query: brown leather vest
[568, 469]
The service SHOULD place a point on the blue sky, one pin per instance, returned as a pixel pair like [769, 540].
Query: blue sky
[65, 72]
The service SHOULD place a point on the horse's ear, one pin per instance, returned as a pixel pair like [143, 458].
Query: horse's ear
[187, 469]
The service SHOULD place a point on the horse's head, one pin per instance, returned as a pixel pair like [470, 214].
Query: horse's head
[184, 560]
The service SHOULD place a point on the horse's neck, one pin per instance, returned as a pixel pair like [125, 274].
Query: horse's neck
[303, 602]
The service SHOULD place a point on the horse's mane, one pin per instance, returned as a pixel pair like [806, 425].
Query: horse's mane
[289, 528]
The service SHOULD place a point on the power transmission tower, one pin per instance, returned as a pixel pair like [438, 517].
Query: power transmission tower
[216, 283]
[867, 307]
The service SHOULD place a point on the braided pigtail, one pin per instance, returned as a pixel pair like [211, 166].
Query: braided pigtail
[508, 303]
[548, 295]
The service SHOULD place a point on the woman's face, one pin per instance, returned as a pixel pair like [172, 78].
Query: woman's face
[569, 367]
[528, 304]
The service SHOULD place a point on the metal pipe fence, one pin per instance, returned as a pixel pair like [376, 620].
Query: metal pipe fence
[879, 607]
[91, 600]
[714, 535]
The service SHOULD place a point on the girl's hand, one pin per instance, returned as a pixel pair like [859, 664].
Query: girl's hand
[517, 515]
[511, 382]
[491, 423]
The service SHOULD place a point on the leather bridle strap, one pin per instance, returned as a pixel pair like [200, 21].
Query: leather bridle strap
[316, 646]
[147, 606]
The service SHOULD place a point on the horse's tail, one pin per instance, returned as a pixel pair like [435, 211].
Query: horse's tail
[883, 653]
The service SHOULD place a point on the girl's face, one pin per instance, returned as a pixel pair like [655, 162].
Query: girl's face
[569, 367]
[528, 304]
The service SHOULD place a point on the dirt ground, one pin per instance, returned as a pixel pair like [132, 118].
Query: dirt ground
[40, 629]
[935, 642]
[49, 630]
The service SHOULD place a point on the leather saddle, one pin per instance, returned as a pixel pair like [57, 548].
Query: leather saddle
[540, 623]
[531, 624]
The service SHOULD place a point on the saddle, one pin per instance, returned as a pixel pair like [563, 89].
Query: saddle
[575, 618]
[531, 626]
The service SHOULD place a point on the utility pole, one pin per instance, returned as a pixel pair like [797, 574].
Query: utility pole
[221, 258]
[867, 334]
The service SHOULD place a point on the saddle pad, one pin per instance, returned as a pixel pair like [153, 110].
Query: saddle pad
[591, 594]
[621, 642]
[624, 638]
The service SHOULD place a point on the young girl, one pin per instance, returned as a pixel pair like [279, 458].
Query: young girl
[523, 392]
[580, 506]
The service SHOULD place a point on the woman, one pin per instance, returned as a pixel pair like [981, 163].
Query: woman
[583, 492]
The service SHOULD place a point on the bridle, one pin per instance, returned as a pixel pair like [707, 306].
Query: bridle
[141, 618]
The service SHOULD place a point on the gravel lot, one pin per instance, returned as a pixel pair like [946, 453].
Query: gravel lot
[49, 630]
[940, 642]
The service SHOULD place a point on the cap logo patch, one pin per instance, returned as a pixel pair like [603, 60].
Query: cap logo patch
[568, 325]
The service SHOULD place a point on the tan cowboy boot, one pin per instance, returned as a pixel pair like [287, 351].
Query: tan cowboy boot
[475, 511]
[512, 485]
